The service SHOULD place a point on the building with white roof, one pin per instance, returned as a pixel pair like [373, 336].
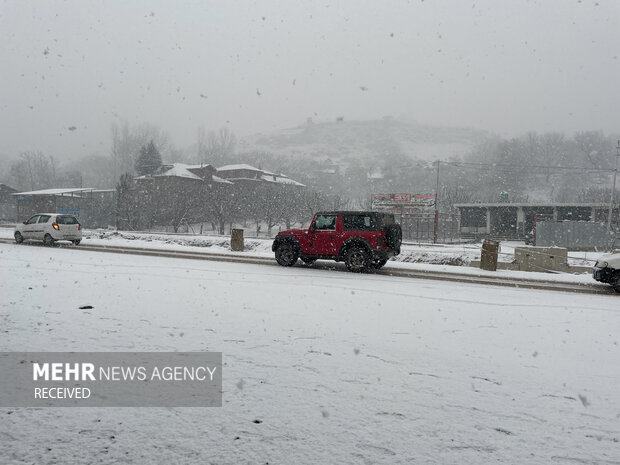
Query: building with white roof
[244, 172]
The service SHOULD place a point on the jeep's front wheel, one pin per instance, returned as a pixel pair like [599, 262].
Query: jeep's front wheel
[286, 254]
[357, 259]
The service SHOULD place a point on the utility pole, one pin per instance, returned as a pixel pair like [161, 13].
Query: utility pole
[437, 186]
[613, 189]
[436, 224]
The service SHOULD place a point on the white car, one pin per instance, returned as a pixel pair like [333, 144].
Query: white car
[49, 227]
[607, 270]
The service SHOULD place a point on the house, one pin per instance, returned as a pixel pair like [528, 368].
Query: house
[243, 173]
[268, 176]
[240, 172]
[176, 194]
[180, 176]
[180, 193]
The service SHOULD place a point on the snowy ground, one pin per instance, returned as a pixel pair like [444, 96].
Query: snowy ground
[435, 254]
[338, 368]
[436, 258]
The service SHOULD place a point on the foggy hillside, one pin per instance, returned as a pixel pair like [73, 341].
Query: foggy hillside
[365, 139]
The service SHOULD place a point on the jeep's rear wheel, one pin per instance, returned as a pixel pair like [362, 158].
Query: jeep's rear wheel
[357, 259]
[286, 254]
[378, 263]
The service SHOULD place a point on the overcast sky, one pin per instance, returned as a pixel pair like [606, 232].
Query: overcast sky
[504, 66]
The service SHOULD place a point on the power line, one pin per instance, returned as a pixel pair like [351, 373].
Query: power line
[507, 165]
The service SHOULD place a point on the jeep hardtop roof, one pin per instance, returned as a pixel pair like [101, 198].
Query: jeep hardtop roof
[352, 212]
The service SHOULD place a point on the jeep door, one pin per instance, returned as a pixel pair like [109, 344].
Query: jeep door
[323, 237]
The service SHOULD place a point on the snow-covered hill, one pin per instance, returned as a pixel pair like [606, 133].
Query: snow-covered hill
[342, 139]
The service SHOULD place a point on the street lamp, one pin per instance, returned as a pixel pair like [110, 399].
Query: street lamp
[613, 189]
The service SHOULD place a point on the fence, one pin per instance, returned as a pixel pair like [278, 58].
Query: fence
[429, 227]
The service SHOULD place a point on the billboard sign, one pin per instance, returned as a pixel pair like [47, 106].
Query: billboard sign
[75, 211]
[402, 201]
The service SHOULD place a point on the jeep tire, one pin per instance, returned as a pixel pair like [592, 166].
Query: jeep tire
[394, 236]
[357, 259]
[378, 263]
[286, 254]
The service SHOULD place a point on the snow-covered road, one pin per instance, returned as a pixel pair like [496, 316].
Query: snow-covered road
[320, 367]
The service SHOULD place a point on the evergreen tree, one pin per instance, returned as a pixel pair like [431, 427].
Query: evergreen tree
[148, 160]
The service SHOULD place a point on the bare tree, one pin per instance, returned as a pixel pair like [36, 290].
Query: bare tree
[595, 148]
[218, 204]
[175, 201]
[33, 170]
[126, 202]
[216, 147]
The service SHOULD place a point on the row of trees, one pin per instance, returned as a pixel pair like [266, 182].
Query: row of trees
[535, 167]
[172, 202]
[532, 167]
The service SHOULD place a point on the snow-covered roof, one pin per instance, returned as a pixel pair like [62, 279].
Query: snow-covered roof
[179, 170]
[241, 166]
[57, 191]
[203, 165]
[218, 179]
[287, 180]
[280, 179]
[183, 170]
[7, 187]
[245, 179]
[530, 205]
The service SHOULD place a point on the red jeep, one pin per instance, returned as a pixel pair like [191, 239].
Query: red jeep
[362, 240]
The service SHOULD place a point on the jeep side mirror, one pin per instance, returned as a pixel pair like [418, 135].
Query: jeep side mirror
[312, 228]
